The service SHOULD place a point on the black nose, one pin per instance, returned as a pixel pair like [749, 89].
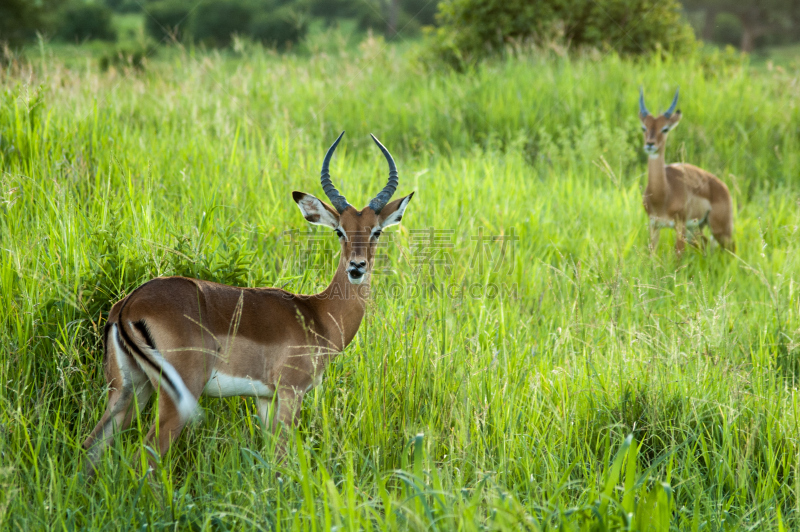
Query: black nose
[362, 264]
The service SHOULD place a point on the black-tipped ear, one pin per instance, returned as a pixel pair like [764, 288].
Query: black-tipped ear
[315, 211]
[393, 212]
[674, 119]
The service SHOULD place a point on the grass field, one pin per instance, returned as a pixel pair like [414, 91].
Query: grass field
[567, 380]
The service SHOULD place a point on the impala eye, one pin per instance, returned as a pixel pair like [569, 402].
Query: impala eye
[376, 234]
[644, 128]
[664, 130]
[339, 232]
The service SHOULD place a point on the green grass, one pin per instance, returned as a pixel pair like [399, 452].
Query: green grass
[579, 383]
[786, 56]
[130, 26]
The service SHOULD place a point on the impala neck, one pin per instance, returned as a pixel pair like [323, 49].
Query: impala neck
[341, 307]
[657, 175]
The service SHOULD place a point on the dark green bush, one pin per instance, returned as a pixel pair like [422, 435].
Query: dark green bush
[727, 29]
[167, 19]
[214, 21]
[19, 20]
[333, 9]
[80, 22]
[281, 28]
[422, 11]
[410, 15]
[371, 16]
[124, 6]
[472, 29]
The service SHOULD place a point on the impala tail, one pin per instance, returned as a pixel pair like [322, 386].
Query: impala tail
[158, 370]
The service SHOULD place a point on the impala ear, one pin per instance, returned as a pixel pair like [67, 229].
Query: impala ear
[393, 212]
[315, 211]
[673, 120]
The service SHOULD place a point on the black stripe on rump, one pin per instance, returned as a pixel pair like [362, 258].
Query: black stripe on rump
[141, 327]
[132, 346]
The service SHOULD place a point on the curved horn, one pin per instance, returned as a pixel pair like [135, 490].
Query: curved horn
[642, 109]
[339, 202]
[383, 197]
[674, 103]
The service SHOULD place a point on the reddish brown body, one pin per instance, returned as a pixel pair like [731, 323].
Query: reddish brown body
[190, 337]
[681, 196]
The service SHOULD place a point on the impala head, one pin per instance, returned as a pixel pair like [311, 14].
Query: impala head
[358, 231]
[656, 128]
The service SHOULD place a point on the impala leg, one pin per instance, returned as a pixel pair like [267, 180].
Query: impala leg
[721, 223]
[680, 239]
[168, 427]
[726, 242]
[117, 417]
[119, 402]
[289, 402]
[119, 412]
[655, 232]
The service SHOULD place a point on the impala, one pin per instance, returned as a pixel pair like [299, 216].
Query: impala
[189, 337]
[681, 196]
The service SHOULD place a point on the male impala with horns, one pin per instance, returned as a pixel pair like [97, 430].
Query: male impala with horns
[189, 337]
[679, 195]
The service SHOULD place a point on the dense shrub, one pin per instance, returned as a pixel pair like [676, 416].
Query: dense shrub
[18, 20]
[283, 27]
[727, 29]
[423, 11]
[79, 22]
[333, 9]
[214, 21]
[408, 15]
[371, 17]
[21, 19]
[471, 29]
[167, 19]
[273, 22]
[124, 6]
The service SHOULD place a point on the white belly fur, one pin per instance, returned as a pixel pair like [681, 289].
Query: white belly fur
[222, 385]
[696, 210]
[661, 223]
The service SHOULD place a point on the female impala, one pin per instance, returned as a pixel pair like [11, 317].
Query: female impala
[680, 195]
[191, 337]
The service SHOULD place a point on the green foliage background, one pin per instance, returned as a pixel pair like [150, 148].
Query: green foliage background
[472, 29]
[585, 383]
[81, 22]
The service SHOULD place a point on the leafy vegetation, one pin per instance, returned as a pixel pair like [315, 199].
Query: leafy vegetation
[215, 22]
[167, 19]
[284, 27]
[80, 22]
[21, 19]
[471, 29]
[573, 382]
[764, 22]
